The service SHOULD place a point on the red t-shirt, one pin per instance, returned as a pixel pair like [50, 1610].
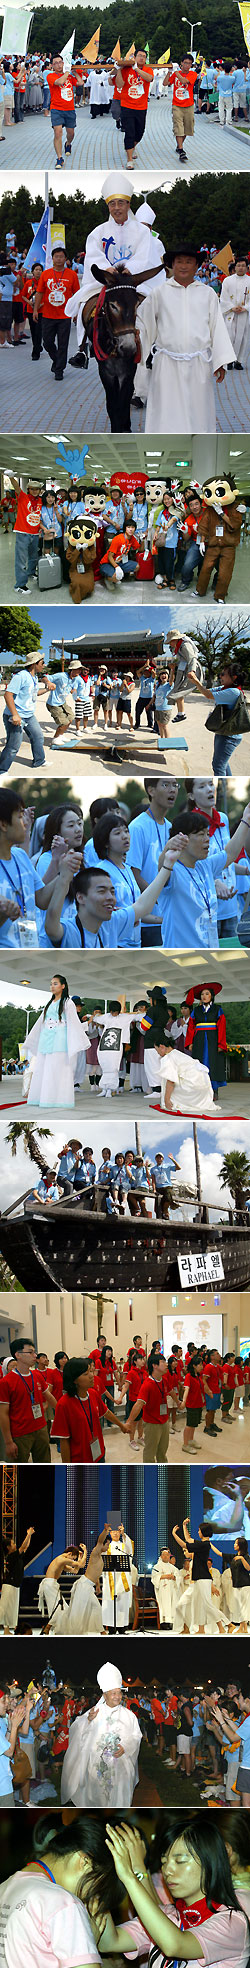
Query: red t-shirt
[28, 512]
[27, 293]
[54, 1379]
[212, 1376]
[61, 92]
[79, 1423]
[134, 1378]
[106, 1379]
[179, 1370]
[195, 1391]
[55, 289]
[247, 1370]
[135, 88]
[154, 1396]
[229, 1374]
[238, 1377]
[183, 88]
[171, 1705]
[20, 1392]
[157, 1711]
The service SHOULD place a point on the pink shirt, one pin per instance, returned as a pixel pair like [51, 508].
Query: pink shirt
[40, 1923]
[224, 1939]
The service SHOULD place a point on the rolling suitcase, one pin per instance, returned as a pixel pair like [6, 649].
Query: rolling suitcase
[49, 569]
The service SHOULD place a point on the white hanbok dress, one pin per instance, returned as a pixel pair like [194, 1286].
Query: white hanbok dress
[124, 1593]
[166, 1580]
[192, 1092]
[185, 327]
[9, 1605]
[52, 1048]
[92, 1773]
[235, 293]
[200, 1606]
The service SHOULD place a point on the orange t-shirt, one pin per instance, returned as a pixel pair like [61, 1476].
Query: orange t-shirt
[183, 88]
[61, 92]
[134, 92]
[117, 547]
[56, 289]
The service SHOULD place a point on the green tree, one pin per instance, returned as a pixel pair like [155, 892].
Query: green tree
[18, 632]
[235, 1175]
[20, 1131]
[219, 32]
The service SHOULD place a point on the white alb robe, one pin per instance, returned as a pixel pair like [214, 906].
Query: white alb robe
[51, 1601]
[84, 1612]
[191, 342]
[92, 1772]
[166, 1580]
[123, 1597]
[235, 293]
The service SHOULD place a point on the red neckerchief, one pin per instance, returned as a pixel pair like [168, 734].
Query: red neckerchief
[193, 1916]
[215, 819]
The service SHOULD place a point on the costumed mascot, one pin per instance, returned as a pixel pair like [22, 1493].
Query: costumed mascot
[219, 533]
[206, 1032]
[81, 536]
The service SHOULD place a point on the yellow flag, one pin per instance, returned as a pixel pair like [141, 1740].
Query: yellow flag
[130, 53]
[57, 235]
[245, 21]
[116, 52]
[163, 59]
[222, 260]
[92, 49]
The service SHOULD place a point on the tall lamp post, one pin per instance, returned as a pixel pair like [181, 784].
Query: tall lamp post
[192, 25]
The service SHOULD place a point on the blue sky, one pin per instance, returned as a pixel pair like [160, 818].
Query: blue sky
[70, 621]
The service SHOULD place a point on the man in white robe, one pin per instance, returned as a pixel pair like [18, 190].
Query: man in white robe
[101, 1762]
[183, 324]
[120, 242]
[165, 1580]
[117, 1584]
[235, 305]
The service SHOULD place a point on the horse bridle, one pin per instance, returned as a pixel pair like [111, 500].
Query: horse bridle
[119, 288]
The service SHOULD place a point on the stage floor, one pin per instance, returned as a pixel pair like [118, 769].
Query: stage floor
[234, 1101]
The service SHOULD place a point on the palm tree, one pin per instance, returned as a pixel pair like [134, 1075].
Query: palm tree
[235, 1174]
[21, 1131]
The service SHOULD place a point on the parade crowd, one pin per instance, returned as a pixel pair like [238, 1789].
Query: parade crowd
[201, 1732]
[122, 87]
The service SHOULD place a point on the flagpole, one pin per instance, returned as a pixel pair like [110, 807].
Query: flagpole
[46, 197]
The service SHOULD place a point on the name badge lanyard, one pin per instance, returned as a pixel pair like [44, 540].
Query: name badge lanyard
[18, 892]
[34, 1404]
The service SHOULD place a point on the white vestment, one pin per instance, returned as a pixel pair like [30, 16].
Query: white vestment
[130, 247]
[235, 293]
[94, 87]
[124, 1593]
[84, 1613]
[9, 1605]
[192, 1089]
[51, 1601]
[92, 1772]
[165, 1580]
[191, 341]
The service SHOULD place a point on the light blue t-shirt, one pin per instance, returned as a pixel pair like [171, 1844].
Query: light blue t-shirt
[225, 83]
[107, 1172]
[147, 839]
[7, 280]
[20, 881]
[146, 687]
[189, 905]
[161, 698]
[6, 1785]
[120, 933]
[243, 1729]
[63, 687]
[163, 1172]
[49, 518]
[140, 516]
[48, 1723]
[75, 510]
[67, 1164]
[239, 79]
[79, 688]
[24, 688]
[114, 515]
